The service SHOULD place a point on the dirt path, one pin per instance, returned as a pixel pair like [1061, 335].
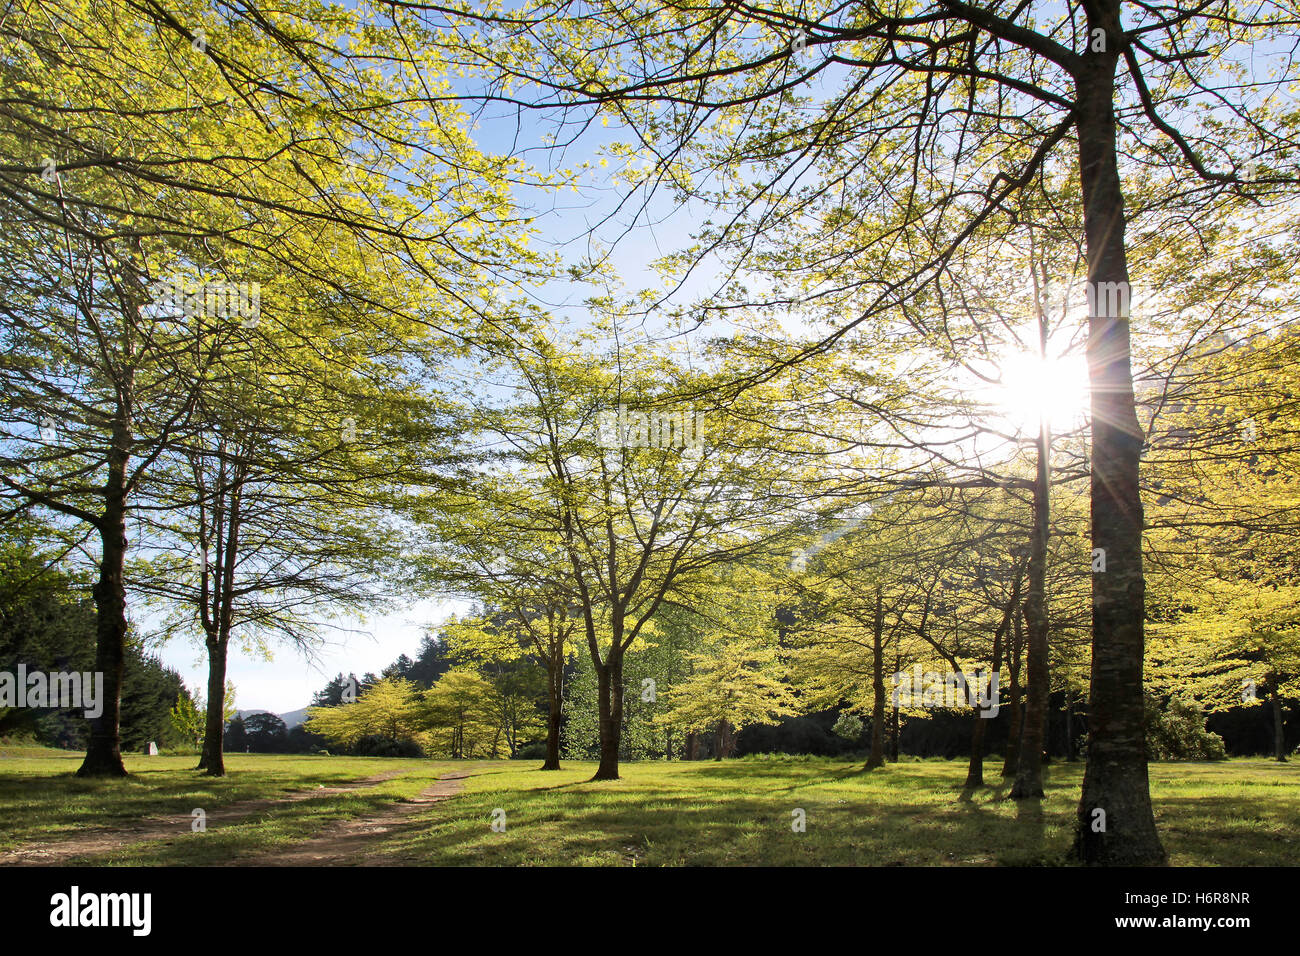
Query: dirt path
[348, 843]
[107, 839]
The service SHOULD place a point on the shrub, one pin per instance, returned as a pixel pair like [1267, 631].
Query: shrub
[1176, 731]
[374, 745]
[849, 726]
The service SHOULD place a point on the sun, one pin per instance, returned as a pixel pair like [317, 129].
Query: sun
[1034, 389]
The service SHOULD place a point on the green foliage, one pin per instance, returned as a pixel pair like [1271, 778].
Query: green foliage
[389, 710]
[1176, 731]
[849, 726]
[189, 717]
[189, 721]
[463, 715]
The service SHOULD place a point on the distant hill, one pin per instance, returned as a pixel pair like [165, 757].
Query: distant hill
[291, 719]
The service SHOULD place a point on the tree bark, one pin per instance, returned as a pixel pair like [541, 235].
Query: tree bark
[975, 771]
[1029, 766]
[212, 762]
[1115, 780]
[723, 740]
[1279, 736]
[1012, 761]
[895, 727]
[610, 680]
[104, 751]
[1029, 771]
[221, 621]
[555, 700]
[877, 755]
[1070, 755]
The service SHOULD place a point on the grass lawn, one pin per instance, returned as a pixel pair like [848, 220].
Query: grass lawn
[1240, 812]
[1244, 812]
[41, 800]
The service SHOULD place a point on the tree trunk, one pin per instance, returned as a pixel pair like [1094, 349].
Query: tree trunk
[877, 756]
[1012, 761]
[1279, 737]
[1115, 779]
[555, 700]
[104, 751]
[1029, 771]
[896, 726]
[975, 771]
[214, 732]
[610, 679]
[1029, 767]
[1070, 755]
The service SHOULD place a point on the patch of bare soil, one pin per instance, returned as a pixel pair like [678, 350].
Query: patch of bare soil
[350, 843]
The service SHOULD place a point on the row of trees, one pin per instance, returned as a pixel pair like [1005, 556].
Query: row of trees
[230, 240]
[942, 565]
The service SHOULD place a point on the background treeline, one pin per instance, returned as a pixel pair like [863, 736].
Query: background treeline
[47, 623]
[1175, 732]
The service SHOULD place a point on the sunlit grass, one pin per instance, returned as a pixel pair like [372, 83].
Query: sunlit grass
[41, 799]
[739, 812]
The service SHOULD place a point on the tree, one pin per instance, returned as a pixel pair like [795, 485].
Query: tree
[265, 733]
[190, 716]
[390, 709]
[735, 683]
[644, 505]
[537, 626]
[463, 714]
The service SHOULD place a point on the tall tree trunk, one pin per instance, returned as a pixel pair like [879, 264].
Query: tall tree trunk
[1279, 736]
[722, 740]
[104, 751]
[975, 771]
[1070, 755]
[895, 727]
[555, 701]
[610, 681]
[1029, 766]
[1115, 780]
[230, 501]
[213, 761]
[877, 756]
[1029, 772]
[1012, 761]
